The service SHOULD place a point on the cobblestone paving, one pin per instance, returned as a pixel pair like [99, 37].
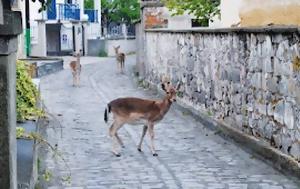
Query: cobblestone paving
[189, 155]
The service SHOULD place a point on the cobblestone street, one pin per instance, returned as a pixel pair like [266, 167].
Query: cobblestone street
[189, 155]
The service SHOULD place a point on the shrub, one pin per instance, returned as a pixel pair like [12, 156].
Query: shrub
[27, 95]
[102, 53]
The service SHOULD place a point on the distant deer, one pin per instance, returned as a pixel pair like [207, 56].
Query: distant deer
[138, 111]
[76, 69]
[120, 59]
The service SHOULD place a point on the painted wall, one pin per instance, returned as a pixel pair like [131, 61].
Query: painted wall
[126, 46]
[40, 47]
[93, 30]
[230, 12]
[260, 13]
[160, 17]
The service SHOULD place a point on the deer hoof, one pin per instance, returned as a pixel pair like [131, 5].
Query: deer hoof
[139, 149]
[118, 155]
[155, 154]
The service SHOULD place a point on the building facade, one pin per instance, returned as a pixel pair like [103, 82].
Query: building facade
[64, 27]
[259, 13]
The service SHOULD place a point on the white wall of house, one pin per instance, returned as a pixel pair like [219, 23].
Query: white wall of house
[78, 37]
[93, 30]
[38, 31]
[126, 46]
[178, 21]
[97, 6]
[39, 47]
[230, 12]
[260, 13]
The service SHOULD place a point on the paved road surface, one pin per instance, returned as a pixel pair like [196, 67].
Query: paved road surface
[190, 156]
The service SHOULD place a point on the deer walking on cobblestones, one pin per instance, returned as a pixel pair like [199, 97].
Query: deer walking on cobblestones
[139, 111]
[120, 59]
[76, 69]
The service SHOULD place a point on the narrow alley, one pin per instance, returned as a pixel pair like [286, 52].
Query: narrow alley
[189, 155]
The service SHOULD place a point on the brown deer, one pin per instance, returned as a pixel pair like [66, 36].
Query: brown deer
[120, 59]
[76, 69]
[138, 111]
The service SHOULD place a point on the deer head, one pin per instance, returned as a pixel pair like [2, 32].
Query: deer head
[117, 49]
[76, 54]
[169, 89]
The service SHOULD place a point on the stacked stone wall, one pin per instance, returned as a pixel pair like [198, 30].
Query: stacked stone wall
[249, 79]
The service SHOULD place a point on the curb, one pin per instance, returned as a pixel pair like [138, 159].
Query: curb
[259, 147]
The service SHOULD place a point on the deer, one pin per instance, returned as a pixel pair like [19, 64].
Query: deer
[76, 69]
[132, 111]
[120, 59]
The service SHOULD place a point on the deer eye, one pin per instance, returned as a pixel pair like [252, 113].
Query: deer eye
[168, 92]
[168, 83]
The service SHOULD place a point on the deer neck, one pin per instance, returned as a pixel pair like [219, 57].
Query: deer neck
[165, 105]
[78, 61]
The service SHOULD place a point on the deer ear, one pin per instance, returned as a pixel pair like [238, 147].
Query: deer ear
[163, 86]
[178, 86]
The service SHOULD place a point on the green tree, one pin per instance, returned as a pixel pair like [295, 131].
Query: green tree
[126, 11]
[201, 9]
[89, 4]
[44, 4]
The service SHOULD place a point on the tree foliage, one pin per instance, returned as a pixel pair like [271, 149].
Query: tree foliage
[89, 4]
[44, 4]
[126, 11]
[201, 9]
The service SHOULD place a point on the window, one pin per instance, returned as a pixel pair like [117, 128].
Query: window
[200, 23]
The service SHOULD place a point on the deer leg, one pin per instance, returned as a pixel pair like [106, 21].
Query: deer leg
[119, 140]
[112, 132]
[122, 65]
[78, 78]
[119, 67]
[142, 138]
[74, 78]
[151, 134]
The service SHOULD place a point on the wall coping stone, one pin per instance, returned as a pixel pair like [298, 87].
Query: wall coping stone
[270, 29]
[12, 25]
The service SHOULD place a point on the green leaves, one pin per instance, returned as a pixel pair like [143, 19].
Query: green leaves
[127, 11]
[202, 9]
[27, 95]
[89, 4]
[44, 4]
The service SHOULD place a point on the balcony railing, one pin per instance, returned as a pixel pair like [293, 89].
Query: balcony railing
[68, 12]
[64, 12]
[93, 15]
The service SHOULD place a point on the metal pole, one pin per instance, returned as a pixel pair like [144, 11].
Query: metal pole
[27, 31]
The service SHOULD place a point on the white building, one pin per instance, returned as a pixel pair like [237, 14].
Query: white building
[62, 29]
[259, 13]
[233, 13]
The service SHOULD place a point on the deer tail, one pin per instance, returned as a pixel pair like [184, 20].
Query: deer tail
[106, 112]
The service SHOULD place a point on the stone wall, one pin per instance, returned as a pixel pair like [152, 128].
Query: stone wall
[246, 78]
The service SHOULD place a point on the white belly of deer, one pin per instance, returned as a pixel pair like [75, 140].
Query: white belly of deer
[137, 119]
[138, 122]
